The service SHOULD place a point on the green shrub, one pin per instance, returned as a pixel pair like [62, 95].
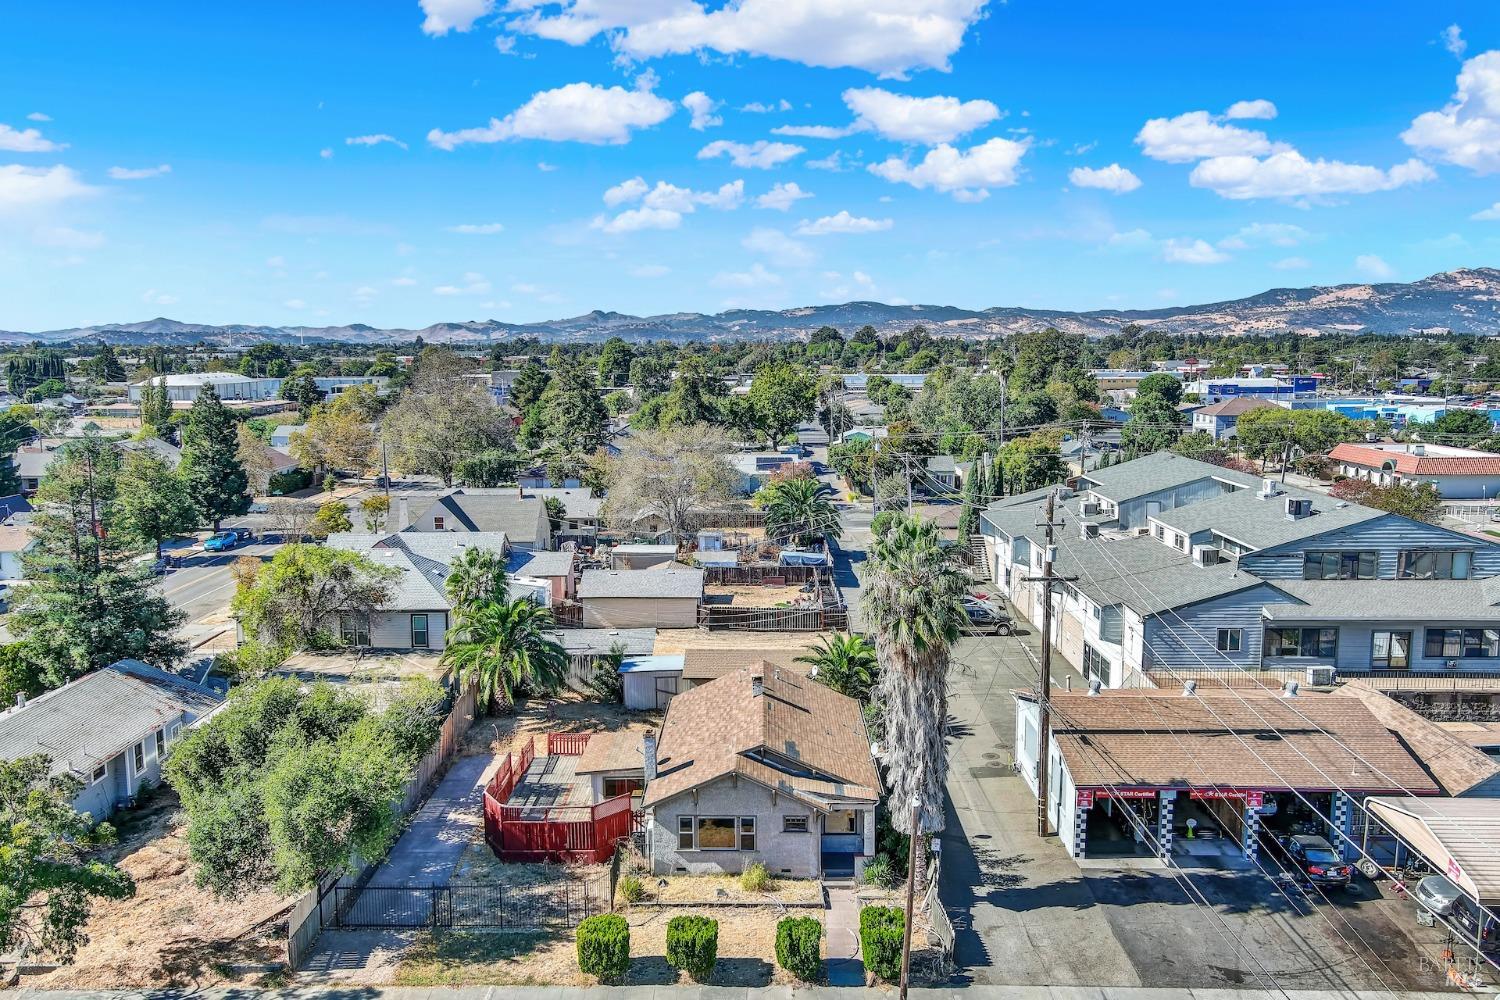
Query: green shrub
[693, 945]
[880, 932]
[797, 947]
[631, 889]
[881, 872]
[755, 878]
[604, 946]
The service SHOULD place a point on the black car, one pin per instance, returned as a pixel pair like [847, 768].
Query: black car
[1315, 859]
[985, 618]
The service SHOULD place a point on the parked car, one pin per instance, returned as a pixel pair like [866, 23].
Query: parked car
[229, 538]
[1437, 895]
[985, 618]
[1314, 859]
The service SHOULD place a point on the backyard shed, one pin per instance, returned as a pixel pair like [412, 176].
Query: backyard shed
[651, 681]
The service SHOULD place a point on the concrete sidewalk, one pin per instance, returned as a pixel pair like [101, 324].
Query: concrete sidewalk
[441, 828]
[723, 993]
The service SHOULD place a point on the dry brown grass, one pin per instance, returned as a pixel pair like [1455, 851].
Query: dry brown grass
[706, 888]
[749, 595]
[569, 712]
[171, 933]
[677, 640]
[479, 864]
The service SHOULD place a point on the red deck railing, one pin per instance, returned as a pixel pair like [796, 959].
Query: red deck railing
[563, 833]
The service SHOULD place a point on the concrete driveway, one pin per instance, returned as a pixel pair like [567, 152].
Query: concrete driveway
[1026, 914]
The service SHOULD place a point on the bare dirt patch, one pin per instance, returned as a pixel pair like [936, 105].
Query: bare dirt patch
[569, 712]
[710, 889]
[171, 933]
[754, 595]
[678, 640]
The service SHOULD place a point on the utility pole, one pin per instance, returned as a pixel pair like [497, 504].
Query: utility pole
[385, 471]
[1044, 680]
[906, 461]
[1083, 455]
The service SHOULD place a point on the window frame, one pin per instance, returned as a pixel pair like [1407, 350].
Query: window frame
[1230, 640]
[788, 824]
[161, 743]
[1456, 643]
[1346, 564]
[1388, 662]
[690, 833]
[746, 828]
[138, 756]
[1275, 649]
[352, 627]
[426, 642]
[99, 774]
[1455, 559]
[734, 832]
[437, 522]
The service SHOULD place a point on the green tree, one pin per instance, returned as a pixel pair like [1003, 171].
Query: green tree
[489, 468]
[1030, 463]
[799, 510]
[302, 390]
[846, 663]
[331, 519]
[107, 364]
[300, 598]
[1418, 501]
[433, 431]
[650, 376]
[375, 509]
[505, 647]
[87, 602]
[695, 396]
[155, 502]
[20, 673]
[477, 576]
[49, 876]
[530, 382]
[783, 396]
[210, 461]
[1154, 422]
[156, 406]
[13, 433]
[1463, 423]
[576, 420]
[675, 473]
[614, 362]
[970, 497]
[914, 608]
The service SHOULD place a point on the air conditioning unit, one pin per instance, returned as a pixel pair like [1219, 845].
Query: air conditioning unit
[1320, 676]
[1091, 508]
[1090, 529]
[1298, 508]
[1205, 555]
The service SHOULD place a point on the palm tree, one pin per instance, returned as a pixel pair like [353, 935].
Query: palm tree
[477, 575]
[845, 663]
[502, 646]
[801, 508]
[914, 607]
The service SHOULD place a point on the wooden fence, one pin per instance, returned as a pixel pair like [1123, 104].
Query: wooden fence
[754, 574]
[312, 912]
[566, 744]
[561, 834]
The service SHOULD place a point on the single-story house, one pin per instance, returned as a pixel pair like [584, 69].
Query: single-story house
[14, 544]
[1457, 473]
[281, 437]
[554, 569]
[665, 597]
[761, 765]
[641, 556]
[109, 729]
[941, 474]
[615, 763]
[523, 519]
[870, 434]
[31, 466]
[649, 682]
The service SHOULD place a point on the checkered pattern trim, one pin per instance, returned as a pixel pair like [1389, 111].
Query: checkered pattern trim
[1080, 829]
[1164, 823]
[1252, 833]
[1340, 821]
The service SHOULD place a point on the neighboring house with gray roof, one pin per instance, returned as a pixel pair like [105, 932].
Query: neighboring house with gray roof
[110, 729]
[522, 518]
[1175, 565]
[663, 597]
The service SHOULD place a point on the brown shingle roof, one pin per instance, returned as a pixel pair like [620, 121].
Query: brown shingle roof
[618, 751]
[797, 736]
[1455, 764]
[704, 663]
[1242, 740]
[1234, 407]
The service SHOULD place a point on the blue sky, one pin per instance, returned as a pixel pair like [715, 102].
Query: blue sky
[400, 164]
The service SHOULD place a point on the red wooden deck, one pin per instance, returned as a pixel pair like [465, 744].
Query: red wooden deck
[532, 829]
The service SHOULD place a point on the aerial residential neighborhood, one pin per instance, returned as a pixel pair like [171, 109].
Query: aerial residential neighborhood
[740, 499]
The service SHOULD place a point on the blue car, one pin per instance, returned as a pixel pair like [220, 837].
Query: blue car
[229, 538]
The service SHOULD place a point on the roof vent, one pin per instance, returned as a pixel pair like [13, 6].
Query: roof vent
[1298, 507]
[1189, 688]
[757, 685]
[1419, 450]
[1094, 686]
[1289, 690]
[1267, 488]
[1089, 529]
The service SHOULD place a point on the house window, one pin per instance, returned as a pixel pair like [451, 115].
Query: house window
[161, 743]
[1313, 642]
[684, 833]
[747, 833]
[621, 786]
[1156, 529]
[138, 756]
[437, 524]
[794, 824]
[717, 833]
[1463, 643]
[419, 631]
[1231, 640]
[1339, 565]
[1390, 650]
[99, 775]
[1432, 564]
[355, 630]
[1095, 666]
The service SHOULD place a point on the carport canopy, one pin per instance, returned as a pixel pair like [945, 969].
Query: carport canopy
[1460, 837]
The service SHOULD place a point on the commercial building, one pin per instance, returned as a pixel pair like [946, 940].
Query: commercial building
[234, 386]
[1457, 473]
[1291, 386]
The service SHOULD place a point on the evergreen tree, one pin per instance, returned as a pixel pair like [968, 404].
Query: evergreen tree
[13, 433]
[155, 503]
[577, 422]
[108, 365]
[968, 519]
[531, 381]
[302, 390]
[87, 603]
[210, 462]
[155, 406]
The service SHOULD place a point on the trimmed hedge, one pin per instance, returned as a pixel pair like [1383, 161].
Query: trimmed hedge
[797, 947]
[693, 945]
[881, 929]
[604, 946]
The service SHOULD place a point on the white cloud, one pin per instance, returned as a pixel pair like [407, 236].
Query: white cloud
[152, 297]
[505, 44]
[1453, 41]
[326, 153]
[139, 173]
[1289, 174]
[473, 283]
[26, 187]
[373, 140]
[405, 281]
[1276, 234]
[1197, 135]
[966, 174]
[816, 131]
[761, 154]
[1251, 109]
[1081, 148]
[578, 112]
[1292, 264]
[276, 262]
[477, 228]
[778, 247]
[843, 222]
[887, 37]
[545, 167]
[67, 238]
[702, 108]
[1491, 214]
[1466, 132]
[756, 277]
[782, 196]
[37, 116]
[926, 120]
[760, 108]
[834, 161]
[1186, 251]
[452, 15]
[28, 140]
[663, 206]
[650, 271]
[1375, 267]
[1111, 178]
[1133, 239]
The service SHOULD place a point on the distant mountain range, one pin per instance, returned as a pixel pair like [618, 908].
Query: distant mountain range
[1464, 301]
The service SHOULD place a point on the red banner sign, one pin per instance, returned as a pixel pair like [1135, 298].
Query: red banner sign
[1253, 799]
[1085, 798]
[1130, 793]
